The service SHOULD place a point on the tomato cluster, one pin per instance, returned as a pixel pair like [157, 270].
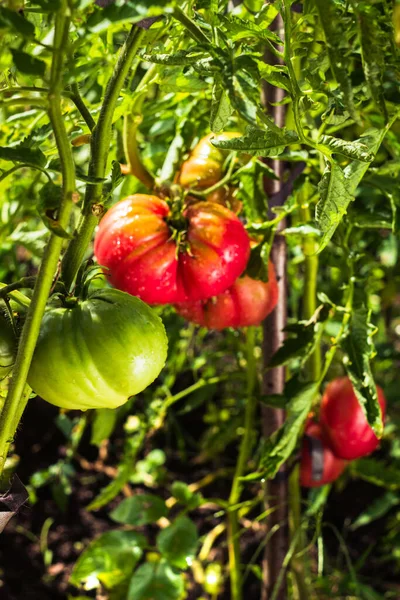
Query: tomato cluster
[192, 257]
[342, 434]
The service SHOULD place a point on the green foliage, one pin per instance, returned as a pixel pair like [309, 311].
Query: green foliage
[178, 542]
[109, 559]
[156, 580]
[140, 510]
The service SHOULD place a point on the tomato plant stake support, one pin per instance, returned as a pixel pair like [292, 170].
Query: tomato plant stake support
[100, 144]
[235, 571]
[19, 391]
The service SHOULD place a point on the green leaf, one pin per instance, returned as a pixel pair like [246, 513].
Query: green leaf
[359, 349]
[259, 142]
[176, 81]
[28, 64]
[109, 559]
[355, 171]
[333, 30]
[334, 200]
[156, 581]
[178, 542]
[277, 449]
[129, 11]
[377, 509]
[103, 425]
[23, 154]
[185, 496]
[221, 108]
[139, 510]
[48, 4]
[275, 76]
[182, 57]
[10, 19]
[257, 267]
[298, 346]
[372, 40]
[378, 473]
[354, 150]
[251, 192]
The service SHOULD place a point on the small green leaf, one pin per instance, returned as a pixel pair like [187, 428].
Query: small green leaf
[109, 559]
[334, 200]
[103, 425]
[359, 350]
[156, 581]
[333, 30]
[28, 64]
[183, 57]
[376, 472]
[354, 150]
[257, 267]
[275, 76]
[259, 142]
[277, 449]
[178, 542]
[23, 154]
[185, 496]
[221, 108]
[10, 19]
[372, 40]
[377, 509]
[140, 510]
[295, 347]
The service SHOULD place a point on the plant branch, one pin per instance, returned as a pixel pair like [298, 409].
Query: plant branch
[81, 106]
[100, 144]
[235, 570]
[19, 391]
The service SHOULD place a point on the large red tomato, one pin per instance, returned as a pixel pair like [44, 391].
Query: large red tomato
[344, 421]
[139, 247]
[331, 466]
[247, 302]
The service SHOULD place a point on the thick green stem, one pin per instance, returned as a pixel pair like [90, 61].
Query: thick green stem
[235, 571]
[100, 144]
[18, 392]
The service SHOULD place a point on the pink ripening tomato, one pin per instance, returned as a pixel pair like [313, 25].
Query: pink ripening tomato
[344, 421]
[331, 467]
[247, 302]
[148, 257]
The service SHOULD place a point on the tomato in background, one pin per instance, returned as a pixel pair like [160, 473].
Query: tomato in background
[332, 466]
[344, 421]
[247, 302]
[204, 166]
[138, 244]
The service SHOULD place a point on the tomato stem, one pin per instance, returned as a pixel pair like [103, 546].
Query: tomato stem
[19, 391]
[132, 153]
[246, 444]
[100, 144]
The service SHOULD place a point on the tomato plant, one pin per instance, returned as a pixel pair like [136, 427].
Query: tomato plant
[156, 139]
[97, 351]
[344, 420]
[247, 302]
[318, 463]
[146, 258]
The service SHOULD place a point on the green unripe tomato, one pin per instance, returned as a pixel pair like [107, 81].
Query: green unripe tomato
[98, 352]
[8, 346]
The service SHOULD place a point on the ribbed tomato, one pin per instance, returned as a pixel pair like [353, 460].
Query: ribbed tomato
[97, 352]
[344, 421]
[137, 245]
[8, 346]
[247, 302]
[330, 467]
